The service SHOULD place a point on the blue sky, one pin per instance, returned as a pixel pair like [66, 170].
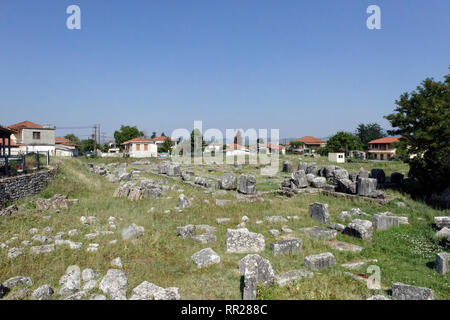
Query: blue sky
[304, 67]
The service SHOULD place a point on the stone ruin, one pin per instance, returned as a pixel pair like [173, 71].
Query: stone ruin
[147, 188]
[57, 202]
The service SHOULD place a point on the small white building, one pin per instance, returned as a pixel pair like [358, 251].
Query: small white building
[65, 148]
[140, 148]
[338, 157]
[235, 150]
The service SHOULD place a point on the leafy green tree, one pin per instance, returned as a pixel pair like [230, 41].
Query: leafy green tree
[422, 118]
[73, 138]
[369, 132]
[153, 134]
[342, 142]
[197, 139]
[163, 134]
[126, 133]
[296, 144]
[86, 145]
[166, 146]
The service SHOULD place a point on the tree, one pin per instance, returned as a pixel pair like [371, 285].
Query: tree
[166, 146]
[342, 142]
[197, 139]
[296, 144]
[369, 132]
[422, 118]
[163, 134]
[86, 145]
[126, 133]
[73, 138]
[153, 135]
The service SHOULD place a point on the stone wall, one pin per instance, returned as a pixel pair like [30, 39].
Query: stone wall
[15, 188]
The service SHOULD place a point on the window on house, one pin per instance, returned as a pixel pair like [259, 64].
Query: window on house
[145, 147]
[138, 147]
[36, 135]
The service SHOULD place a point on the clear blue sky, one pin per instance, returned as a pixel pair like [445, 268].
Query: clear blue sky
[305, 67]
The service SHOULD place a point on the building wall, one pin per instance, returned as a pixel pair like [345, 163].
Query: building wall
[142, 153]
[336, 157]
[15, 188]
[47, 137]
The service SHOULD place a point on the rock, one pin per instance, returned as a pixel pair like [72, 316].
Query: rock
[274, 219]
[407, 292]
[221, 202]
[442, 222]
[379, 175]
[310, 178]
[186, 231]
[345, 246]
[17, 281]
[274, 232]
[13, 253]
[20, 294]
[26, 243]
[443, 233]
[168, 294]
[265, 273]
[299, 179]
[205, 258]
[360, 229]
[320, 261]
[42, 239]
[70, 282]
[183, 202]
[250, 280]
[326, 171]
[321, 233]
[286, 278]
[42, 249]
[97, 297]
[349, 215]
[346, 186]
[228, 182]
[319, 212]
[33, 231]
[286, 246]
[132, 231]
[223, 220]
[204, 238]
[442, 264]
[287, 167]
[8, 211]
[3, 290]
[77, 296]
[90, 285]
[145, 291]
[382, 221]
[365, 186]
[357, 263]
[363, 173]
[311, 168]
[378, 297]
[244, 241]
[337, 226]
[353, 176]
[397, 178]
[117, 262]
[319, 182]
[205, 228]
[43, 292]
[186, 175]
[247, 184]
[73, 232]
[114, 284]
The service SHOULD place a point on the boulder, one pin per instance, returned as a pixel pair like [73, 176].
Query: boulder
[299, 179]
[319, 211]
[145, 291]
[321, 233]
[382, 221]
[311, 168]
[379, 175]
[42, 249]
[204, 238]
[362, 229]
[228, 182]
[319, 182]
[286, 246]
[132, 231]
[265, 273]
[247, 184]
[114, 284]
[167, 294]
[403, 291]
[397, 178]
[442, 264]
[346, 186]
[43, 292]
[17, 281]
[186, 231]
[186, 175]
[287, 167]
[250, 280]
[320, 261]
[244, 241]
[205, 258]
[70, 282]
[363, 173]
[183, 202]
[442, 222]
[365, 186]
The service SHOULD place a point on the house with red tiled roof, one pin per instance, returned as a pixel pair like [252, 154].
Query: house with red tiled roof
[268, 148]
[32, 137]
[65, 148]
[383, 149]
[140, 148]
[310, 144]
[235, 149]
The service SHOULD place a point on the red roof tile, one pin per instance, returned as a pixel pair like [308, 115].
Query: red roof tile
[310, 140]
[26, 124]
[64, 141]
[386, 140]
[137, 140]
[161, 138]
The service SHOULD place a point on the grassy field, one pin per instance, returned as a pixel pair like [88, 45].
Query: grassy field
[405, 254]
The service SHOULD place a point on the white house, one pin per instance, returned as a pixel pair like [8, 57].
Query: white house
[214, 146]
[32, 137]
[338, 157]
[236, 149]
[140, 148]
[65, 148]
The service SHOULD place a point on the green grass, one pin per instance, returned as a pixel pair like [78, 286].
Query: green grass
[405, 254]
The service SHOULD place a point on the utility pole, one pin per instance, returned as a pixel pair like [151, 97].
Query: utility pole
[95, 139]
